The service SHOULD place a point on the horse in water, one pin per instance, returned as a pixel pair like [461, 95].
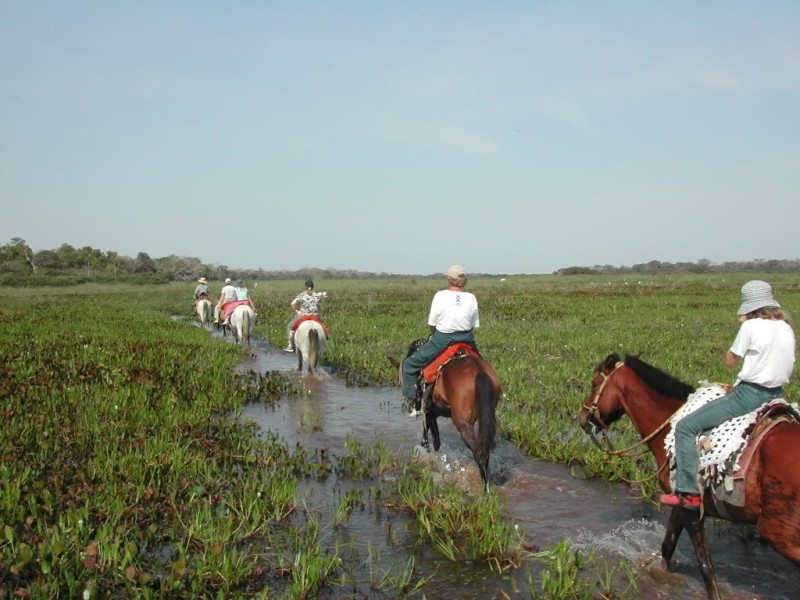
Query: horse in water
[771, 485]
[467, 390]
[241, 323]
[310, 340]
[202, 309]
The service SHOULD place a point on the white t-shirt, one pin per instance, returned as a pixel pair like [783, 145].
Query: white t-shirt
[767, 349]
[453, 311]
[228, 293]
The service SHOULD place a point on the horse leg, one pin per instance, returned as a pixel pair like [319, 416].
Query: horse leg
[674, 530]
[434, 426]
[697, 532]
[481, 458]
[313, 350]
[425, 443]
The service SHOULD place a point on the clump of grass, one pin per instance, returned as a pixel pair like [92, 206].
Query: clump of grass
[461, 526]
[362, 461]
[565, 577]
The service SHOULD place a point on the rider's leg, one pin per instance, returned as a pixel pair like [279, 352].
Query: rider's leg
[413, 365]
[290, 336]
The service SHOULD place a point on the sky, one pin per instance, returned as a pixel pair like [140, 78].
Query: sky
[403, 136]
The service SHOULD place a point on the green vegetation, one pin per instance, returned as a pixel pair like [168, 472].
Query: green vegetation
[123, 475]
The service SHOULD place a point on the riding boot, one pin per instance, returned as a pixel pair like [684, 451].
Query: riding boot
[290, 344]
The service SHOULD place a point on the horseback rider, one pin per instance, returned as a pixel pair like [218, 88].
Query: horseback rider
[226, 294]
[452, 318]
[765, 345]
[241, 295]
[201, 291]
[306, 303]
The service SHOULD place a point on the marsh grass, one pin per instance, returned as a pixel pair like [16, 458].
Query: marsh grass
[124, 472]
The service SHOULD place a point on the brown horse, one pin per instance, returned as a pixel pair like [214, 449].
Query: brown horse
[772, 483]
[467, 390]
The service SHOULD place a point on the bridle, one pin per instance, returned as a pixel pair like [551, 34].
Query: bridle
[593, 420]
[596, 424]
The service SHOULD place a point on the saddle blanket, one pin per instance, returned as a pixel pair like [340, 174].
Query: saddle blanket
[310, 318]
[228, 308]
[720, 456]
[430, 372]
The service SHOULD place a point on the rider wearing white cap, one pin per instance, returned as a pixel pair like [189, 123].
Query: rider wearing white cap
[452, 318]
[226, 294]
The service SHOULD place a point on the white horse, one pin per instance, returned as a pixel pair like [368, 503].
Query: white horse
[203, 311]
[309, 342]
[242, 321]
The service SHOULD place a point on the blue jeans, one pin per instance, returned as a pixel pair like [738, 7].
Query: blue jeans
[436, 344]
[744, 398]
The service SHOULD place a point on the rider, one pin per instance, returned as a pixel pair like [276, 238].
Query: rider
[304, 304]
[201, 291]
[241, 295]
[452, 318]
[226, 294]
[765, 344]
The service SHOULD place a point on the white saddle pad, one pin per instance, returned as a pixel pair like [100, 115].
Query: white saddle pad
[720, 455]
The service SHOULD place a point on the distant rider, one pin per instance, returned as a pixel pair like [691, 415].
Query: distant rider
[242, 296]
[226, 294]
[306, 303]
[452, 318]
[201, 291]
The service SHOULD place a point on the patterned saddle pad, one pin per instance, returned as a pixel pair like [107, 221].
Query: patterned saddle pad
[720, 456]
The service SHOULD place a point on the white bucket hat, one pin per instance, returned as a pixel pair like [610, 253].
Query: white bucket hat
[756, 294]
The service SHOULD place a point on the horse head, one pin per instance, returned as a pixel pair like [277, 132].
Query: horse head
[604, 404]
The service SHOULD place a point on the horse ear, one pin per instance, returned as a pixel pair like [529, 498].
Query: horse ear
[611, 362]
[394, 362]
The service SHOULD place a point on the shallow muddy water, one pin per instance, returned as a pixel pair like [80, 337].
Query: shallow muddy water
[543, 499]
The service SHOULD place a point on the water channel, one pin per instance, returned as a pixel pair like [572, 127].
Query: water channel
[545, 500]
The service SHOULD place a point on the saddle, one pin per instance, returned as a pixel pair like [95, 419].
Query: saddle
[430, 374]
[228, 307]
[311, 318]
[726, 450]
[731, 490]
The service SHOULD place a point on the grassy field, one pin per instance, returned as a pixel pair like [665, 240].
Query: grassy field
[121, 474]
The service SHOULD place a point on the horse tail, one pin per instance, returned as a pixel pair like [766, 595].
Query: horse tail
[313, 348]
[246, 327]
[484, 395]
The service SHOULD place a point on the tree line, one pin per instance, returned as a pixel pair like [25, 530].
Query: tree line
[67, 265]
[655, 267]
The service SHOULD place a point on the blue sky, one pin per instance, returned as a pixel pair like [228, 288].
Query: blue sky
[401, 137]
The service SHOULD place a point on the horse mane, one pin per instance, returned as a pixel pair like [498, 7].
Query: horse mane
[658, 379]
